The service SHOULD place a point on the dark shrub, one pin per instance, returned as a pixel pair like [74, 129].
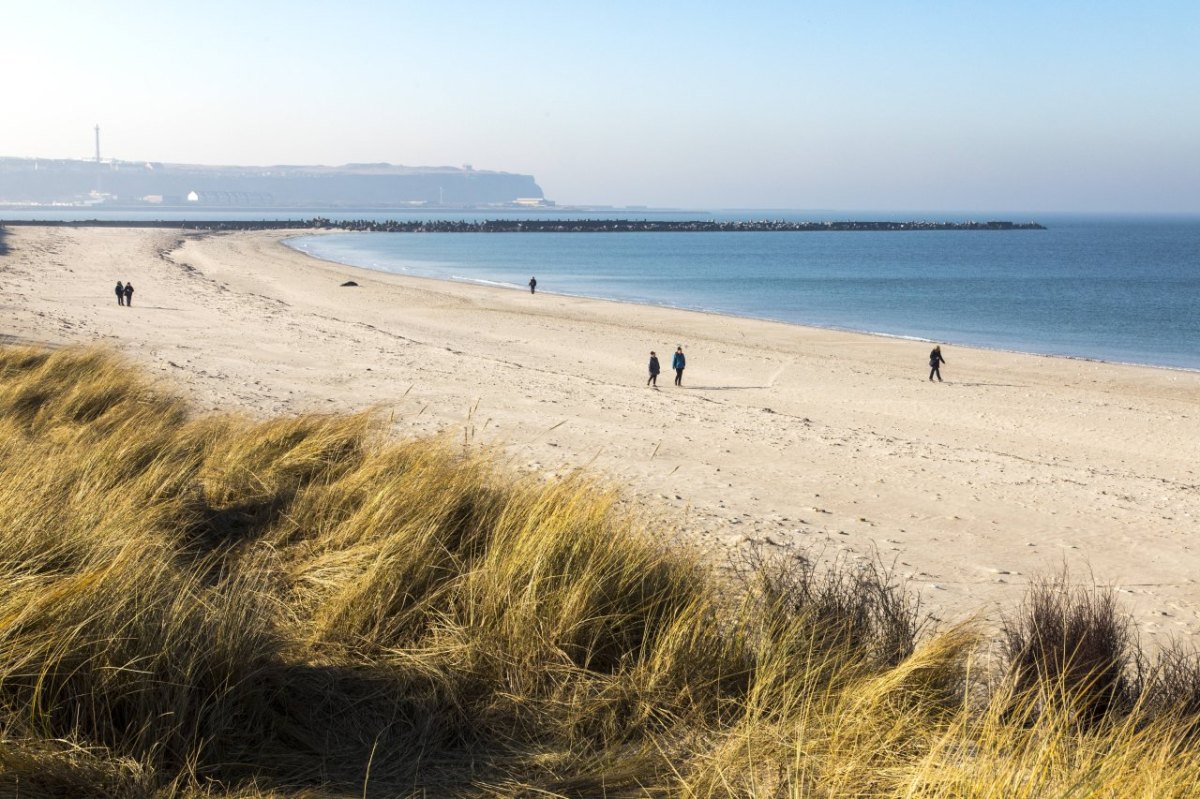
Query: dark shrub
[1071, 644]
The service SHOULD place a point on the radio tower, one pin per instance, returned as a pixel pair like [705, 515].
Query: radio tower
[97, 144]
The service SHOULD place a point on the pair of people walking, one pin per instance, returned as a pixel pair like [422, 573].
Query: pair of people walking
[678, 363]
[124, 293]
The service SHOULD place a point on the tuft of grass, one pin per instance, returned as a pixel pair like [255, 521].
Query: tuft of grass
[844, 604]
[218, 606]
[1074, 641]
[1171, 686]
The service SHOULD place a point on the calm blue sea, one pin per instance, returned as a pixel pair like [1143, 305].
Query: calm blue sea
[1117, 289]
[1108, 288]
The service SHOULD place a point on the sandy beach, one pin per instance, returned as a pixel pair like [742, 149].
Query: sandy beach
[789, 436]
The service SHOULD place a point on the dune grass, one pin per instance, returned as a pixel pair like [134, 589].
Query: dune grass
[221, 606]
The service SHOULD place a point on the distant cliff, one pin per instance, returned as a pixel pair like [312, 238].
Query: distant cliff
[30, 180]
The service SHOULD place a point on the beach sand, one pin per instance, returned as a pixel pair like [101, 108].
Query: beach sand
[830, 442]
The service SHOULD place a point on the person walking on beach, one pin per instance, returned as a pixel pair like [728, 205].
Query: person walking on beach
[120, 289]
[533, 285]
[935, 361]
[128, 294]
[654, 370]
[677, 363]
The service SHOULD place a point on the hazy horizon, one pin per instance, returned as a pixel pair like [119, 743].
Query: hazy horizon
[1076, 108]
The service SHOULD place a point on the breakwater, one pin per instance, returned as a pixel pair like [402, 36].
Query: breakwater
[534, 225]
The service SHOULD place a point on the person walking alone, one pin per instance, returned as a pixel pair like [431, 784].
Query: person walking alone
[935, 361]
[678, 363]
[128, 294]
[533, 285]
[654, 370]
[120, 289]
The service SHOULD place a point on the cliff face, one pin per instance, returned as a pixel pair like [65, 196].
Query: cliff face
[27, 180]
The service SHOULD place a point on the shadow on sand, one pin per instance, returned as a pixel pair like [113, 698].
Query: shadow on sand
[722, 388]
[3, 243]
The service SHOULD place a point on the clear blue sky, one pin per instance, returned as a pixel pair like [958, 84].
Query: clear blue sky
[1017, 106]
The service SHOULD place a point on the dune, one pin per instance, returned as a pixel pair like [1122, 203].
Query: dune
[786, 436]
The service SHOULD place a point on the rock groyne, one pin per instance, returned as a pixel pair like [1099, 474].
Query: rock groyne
[538, 225]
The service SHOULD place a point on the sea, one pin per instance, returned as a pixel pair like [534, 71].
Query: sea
[1110, 288]
[1122, 289]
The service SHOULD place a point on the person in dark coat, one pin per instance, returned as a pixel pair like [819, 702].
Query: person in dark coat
[677, 363]
[532, 285]
[120, 289]
[128, 294]
[935, 361]
[654, 370]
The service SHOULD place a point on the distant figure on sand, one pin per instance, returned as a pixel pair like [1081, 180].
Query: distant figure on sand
[654, 370]
[935, 361]
[677, 363]
[128, 294]
[120, 289]
[532, 285]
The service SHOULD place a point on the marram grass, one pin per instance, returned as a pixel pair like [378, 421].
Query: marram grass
[215, 606]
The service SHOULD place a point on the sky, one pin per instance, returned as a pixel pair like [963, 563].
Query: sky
[1015, 106]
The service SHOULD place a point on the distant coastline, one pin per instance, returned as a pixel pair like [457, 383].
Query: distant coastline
[151, 184]
[537, 225]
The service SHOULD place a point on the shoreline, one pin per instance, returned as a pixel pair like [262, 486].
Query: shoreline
[790, 437]
[728, 314]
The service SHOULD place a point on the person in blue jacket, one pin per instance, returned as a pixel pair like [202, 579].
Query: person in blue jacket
[677, 363]
[654, 370]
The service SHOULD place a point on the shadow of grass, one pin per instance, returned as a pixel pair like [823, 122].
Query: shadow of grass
[338, 727]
